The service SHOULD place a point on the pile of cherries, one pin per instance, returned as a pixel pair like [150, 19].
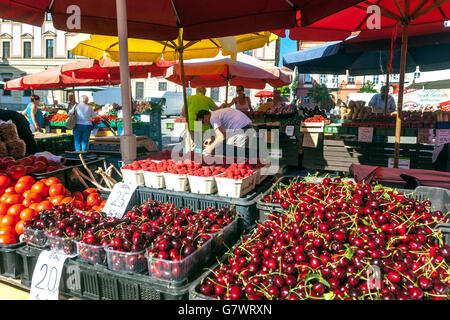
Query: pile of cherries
[338, 240]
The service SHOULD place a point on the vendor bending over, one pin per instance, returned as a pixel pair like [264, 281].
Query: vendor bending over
[229, 124]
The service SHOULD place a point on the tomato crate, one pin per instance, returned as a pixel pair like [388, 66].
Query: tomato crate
[245, 206]
[10, 261]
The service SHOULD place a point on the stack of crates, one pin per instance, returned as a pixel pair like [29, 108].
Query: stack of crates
[151, 129]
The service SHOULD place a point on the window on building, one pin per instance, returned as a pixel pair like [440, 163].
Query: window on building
[49, 48]
[248, 52]
[351, 79]
[308, 78]
[70, 55]
[307, 99]
[6, 92]
[335, 78]
[139, 90]
[6, 20]
[416, 74]
[215, 94]
[395, 76]
[27, 49]
[376, 79]
[48, 17]
[162, 86]
[6, 52]
[27, 93]
[323, 79]
[189, 91]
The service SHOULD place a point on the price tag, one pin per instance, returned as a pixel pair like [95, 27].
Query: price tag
[47, 275]
[442, 136]
[403, 163]
[145, 118]
[275, 153]
[425, 135]
[119, 114]
[118, 200]
[290, 131]
[365, 134]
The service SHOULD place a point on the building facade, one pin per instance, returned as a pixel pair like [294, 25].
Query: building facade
[26, 49]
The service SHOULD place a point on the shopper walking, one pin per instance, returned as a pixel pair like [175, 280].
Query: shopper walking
[33, 114]
[83, 128]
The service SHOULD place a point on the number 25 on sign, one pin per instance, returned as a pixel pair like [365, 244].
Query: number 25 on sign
[118, 200]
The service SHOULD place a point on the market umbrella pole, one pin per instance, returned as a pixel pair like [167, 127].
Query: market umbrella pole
[127, 140]
[388, 74]
[398, 123]
[183, 80]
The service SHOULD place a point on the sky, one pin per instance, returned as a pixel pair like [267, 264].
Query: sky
[287, 46]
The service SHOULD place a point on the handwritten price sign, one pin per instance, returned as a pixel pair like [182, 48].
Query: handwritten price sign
[365, 134]
[118, 200]
[47, 275]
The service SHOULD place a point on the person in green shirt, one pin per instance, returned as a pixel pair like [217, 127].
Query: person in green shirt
[198, 102]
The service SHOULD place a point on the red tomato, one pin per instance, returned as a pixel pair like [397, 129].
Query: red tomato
[8, 221]
[27, 213]
[27, 179]
[44, 205]
[39, 167]
[16, 171]
[78, 196]
[3, 209]
[16, 209]
[40, 188]
[89, 191]
[25, 161]
[30, 169]
[42, 159]
[8, 239]
[13, 199]
[56, 189]
[51, 181]
[5, 181]
[19, 227]
[94, 199]
[56, 200]
[21, 187]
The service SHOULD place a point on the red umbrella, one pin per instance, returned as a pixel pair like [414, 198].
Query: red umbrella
[109, 70]
[264, 94]
[53, 79]
[162, 19]
[384, 14]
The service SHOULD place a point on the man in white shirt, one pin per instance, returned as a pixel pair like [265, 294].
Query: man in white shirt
[229, 124]
[377, 102]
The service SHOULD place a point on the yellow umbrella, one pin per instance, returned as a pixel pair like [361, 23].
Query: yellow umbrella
[142, 50]
[151, 51]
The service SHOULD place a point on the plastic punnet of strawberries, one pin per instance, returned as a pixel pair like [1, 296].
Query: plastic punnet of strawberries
[338, 240]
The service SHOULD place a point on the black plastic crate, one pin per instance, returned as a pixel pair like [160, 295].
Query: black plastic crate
[10, 261]
[245, 207]
[29, 257]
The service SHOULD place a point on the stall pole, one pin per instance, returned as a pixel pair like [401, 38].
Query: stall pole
[127, 140]
[398, 123]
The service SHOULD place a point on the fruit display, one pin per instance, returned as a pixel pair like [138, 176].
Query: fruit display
[316, 118]
[31, 164]
[106, 117]
[355, 110]
[337, 240]
[282, 109]
[56, 117]
[254, 114]
[22, 197]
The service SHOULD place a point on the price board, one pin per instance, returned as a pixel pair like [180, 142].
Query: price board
[403, 163]
[47, 275]
[425, 135]
[442, 136]
[118, 200]
[119, 114]
[145, 118]
[290, 131]
[365, 134]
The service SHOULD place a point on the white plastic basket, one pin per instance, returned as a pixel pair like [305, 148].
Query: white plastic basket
[154, 180]
[176, 182]
[235, 188]
[133, 177]
[202, 185]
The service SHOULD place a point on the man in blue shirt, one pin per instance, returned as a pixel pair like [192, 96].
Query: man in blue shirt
[377, 102]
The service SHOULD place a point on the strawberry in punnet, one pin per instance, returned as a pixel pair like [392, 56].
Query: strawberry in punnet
[238, 171]
[207, 171]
